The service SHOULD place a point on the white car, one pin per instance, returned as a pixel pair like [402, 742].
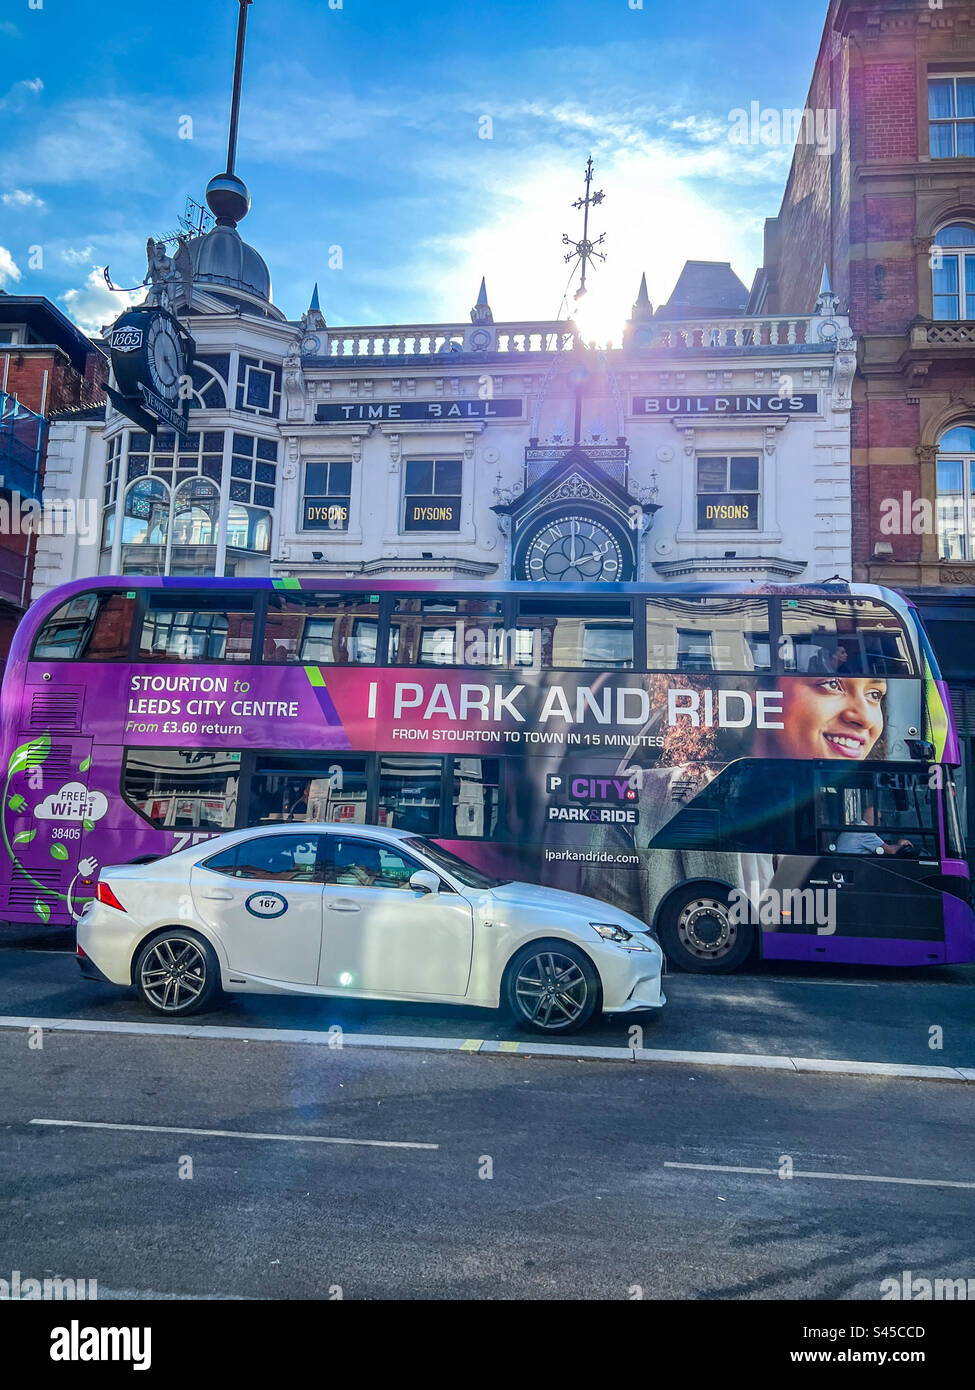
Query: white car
[365, 913]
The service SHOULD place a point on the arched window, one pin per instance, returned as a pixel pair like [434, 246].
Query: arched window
[953, 268]
[195, 513]
[146, 519]
[956, 494]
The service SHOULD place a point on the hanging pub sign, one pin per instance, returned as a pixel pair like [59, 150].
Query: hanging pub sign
[151, 358]
[332, 412]
[726, 405]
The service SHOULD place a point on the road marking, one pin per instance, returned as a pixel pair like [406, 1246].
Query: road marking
[392, 1041]
[236, 1134]
[829, 1177]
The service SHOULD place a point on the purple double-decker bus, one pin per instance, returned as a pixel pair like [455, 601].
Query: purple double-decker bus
[752, 770]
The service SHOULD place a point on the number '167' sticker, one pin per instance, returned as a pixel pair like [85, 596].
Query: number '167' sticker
[266, 905]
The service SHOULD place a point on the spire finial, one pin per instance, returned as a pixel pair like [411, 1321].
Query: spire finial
[585, 250]
[642, 309]
[227, 195]
[827, 303]
[314, 299]
[481, 313]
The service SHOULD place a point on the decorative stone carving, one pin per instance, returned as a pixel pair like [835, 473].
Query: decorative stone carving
[357, 448]
[844, 370]
[689, 438]
[294, 382]
[926, 453]
[468, 444]
[770, 433]
[395, 448]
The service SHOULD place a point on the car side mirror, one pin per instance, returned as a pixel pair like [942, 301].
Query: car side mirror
[425, 881]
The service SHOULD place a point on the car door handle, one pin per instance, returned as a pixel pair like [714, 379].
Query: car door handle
[220, 894]
[345, 905]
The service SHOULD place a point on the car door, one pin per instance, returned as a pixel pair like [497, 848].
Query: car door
[263, 897]
[381, 936]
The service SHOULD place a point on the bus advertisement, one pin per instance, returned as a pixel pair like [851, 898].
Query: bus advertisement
[763, 771]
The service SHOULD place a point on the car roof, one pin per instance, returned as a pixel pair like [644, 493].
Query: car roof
[302, 827]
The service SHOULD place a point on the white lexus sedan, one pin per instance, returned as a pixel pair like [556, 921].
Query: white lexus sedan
[365, 913]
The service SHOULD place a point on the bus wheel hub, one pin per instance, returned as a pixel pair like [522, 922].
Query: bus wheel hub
[705, 928]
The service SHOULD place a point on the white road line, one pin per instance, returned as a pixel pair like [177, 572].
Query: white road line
[236, 1134]
[525, 1047]
[830, 1177]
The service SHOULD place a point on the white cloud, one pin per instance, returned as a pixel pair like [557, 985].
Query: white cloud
[22, 199]
[94, 305]
[77, 255]
[15, 96]
[9, 270]
[83, 143]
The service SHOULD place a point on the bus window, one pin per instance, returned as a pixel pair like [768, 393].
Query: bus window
[304, 788]
[198, 627]
[89, 627]
[708, 634]
[866, 812]
[442, 630]
[321, 629]
[182, 788]
[591, 634]
[409, 794]
[844, 637]
[476, 798]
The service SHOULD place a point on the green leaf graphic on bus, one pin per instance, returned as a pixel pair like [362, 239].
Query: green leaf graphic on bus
[24, 837]
[16, 802]
[58, 852]
[84, 765]
[34, 752]
[88, 824]
[42, 910]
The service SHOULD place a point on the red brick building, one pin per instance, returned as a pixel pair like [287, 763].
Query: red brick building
[47, 365]
[890, 211]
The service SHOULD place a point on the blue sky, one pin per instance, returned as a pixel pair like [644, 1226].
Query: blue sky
[360, 129]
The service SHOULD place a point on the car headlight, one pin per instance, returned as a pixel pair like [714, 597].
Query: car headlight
[610, 931]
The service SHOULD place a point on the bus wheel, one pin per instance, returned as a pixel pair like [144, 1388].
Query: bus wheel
[177, 973]
[698, 934]
[551, 987]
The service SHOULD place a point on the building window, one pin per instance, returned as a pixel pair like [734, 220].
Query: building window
[196, 512]
[951, 113]
[953, 272]
[445, 631]
[259, 386]
[254, 470]
[708, 634]
[209, 376]
[432, 490]
[198, 627]
[89, 627]
[327, 496]
[146, 519]
[956, 494]
[321, 629]
[113, 466]
[727, 493]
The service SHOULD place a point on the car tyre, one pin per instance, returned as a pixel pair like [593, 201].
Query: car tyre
[177, 973]
[699, 935]
[551, 987]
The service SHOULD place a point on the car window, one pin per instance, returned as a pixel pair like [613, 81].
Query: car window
[284, 858]
[363, 863]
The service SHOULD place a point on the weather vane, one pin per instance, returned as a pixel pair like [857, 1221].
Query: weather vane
[585, 250]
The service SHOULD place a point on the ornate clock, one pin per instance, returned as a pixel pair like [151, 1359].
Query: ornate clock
[151, 354]
[573, 549]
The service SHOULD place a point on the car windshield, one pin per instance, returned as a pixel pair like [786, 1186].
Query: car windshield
[465, 873]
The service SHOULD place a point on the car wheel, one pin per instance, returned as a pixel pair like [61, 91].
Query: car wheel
[551, 987]
[699, 934]
[177, 973]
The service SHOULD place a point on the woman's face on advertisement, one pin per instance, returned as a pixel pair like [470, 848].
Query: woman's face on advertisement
[832, 716]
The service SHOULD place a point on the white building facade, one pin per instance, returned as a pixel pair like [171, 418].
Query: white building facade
[711, 448]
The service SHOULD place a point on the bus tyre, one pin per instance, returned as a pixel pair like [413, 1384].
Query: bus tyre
[699, 935]
[177, 973]
[551, 987]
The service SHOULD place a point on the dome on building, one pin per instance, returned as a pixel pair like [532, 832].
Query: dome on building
[222, 259]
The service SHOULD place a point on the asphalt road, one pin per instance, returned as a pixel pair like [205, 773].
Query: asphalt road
[579, 1204]
[842, 1013]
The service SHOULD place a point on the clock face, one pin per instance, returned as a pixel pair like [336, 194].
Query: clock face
[164, 358]
[573, 549]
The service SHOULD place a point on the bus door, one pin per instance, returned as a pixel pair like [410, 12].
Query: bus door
[878, 841]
